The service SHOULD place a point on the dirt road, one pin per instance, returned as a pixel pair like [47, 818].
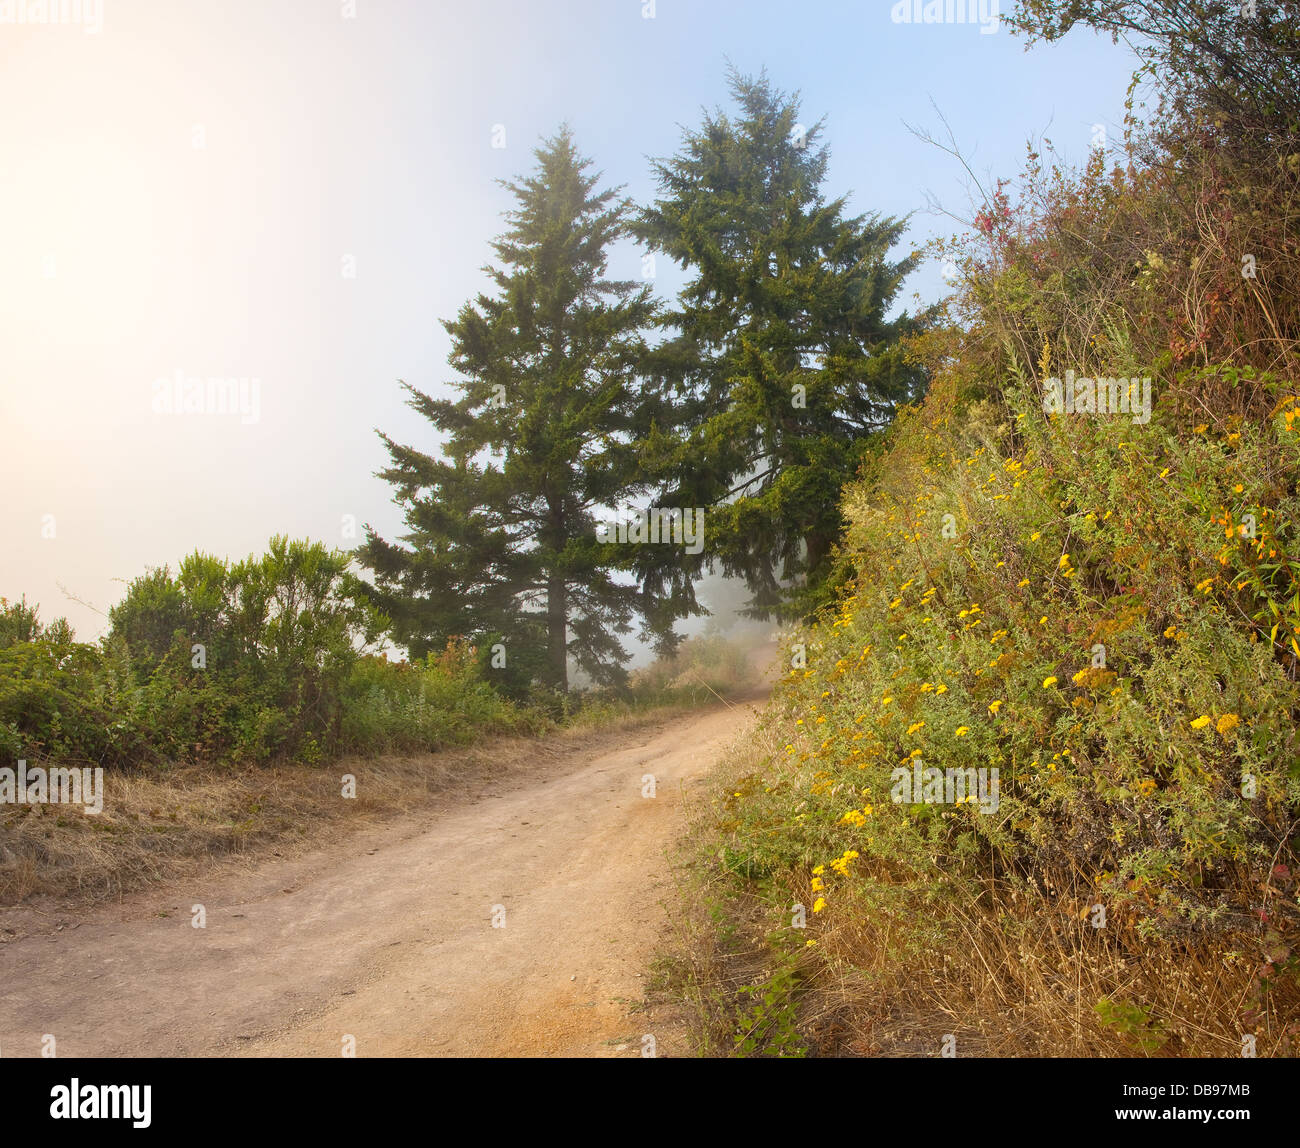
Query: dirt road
[387, 937]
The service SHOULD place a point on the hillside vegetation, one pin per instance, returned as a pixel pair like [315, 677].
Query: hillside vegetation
[1103, 609]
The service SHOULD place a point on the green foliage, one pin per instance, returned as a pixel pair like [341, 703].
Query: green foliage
[767, 1027]
[21, 623]
[241, 661]
[1132, 1021]
[54, 701]
[247, 658]
[1175, 257]
[502, 531]
[517, 664]
[1080, 628]
[409, 707]
[781, 356]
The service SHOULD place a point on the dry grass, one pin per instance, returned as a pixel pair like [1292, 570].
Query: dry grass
[160, 825]
[895, 971]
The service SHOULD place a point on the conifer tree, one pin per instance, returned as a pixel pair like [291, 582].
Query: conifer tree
[501, 536]
[781, 356]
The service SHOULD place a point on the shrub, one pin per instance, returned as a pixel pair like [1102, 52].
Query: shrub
[422, 706]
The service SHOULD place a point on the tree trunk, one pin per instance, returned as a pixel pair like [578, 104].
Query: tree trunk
[557, 633]
[819, 546]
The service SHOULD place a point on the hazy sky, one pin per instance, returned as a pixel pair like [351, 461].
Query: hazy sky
[297, 191]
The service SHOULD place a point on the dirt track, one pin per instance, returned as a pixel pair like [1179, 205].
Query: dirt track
[388, 935]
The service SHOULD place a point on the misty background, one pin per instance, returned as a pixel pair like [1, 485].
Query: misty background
[298, 193]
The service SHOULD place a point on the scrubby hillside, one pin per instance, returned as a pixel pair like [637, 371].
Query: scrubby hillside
[1032, 786]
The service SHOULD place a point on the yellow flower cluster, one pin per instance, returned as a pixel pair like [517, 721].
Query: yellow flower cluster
[1225, 725]
[841, 864]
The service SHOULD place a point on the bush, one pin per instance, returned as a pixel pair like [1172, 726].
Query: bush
[246, 660]
[421, 706]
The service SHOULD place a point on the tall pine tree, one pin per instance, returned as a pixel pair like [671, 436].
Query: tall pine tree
[501, 532]
[781, 355]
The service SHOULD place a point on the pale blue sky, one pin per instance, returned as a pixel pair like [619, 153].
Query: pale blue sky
[183, 186]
